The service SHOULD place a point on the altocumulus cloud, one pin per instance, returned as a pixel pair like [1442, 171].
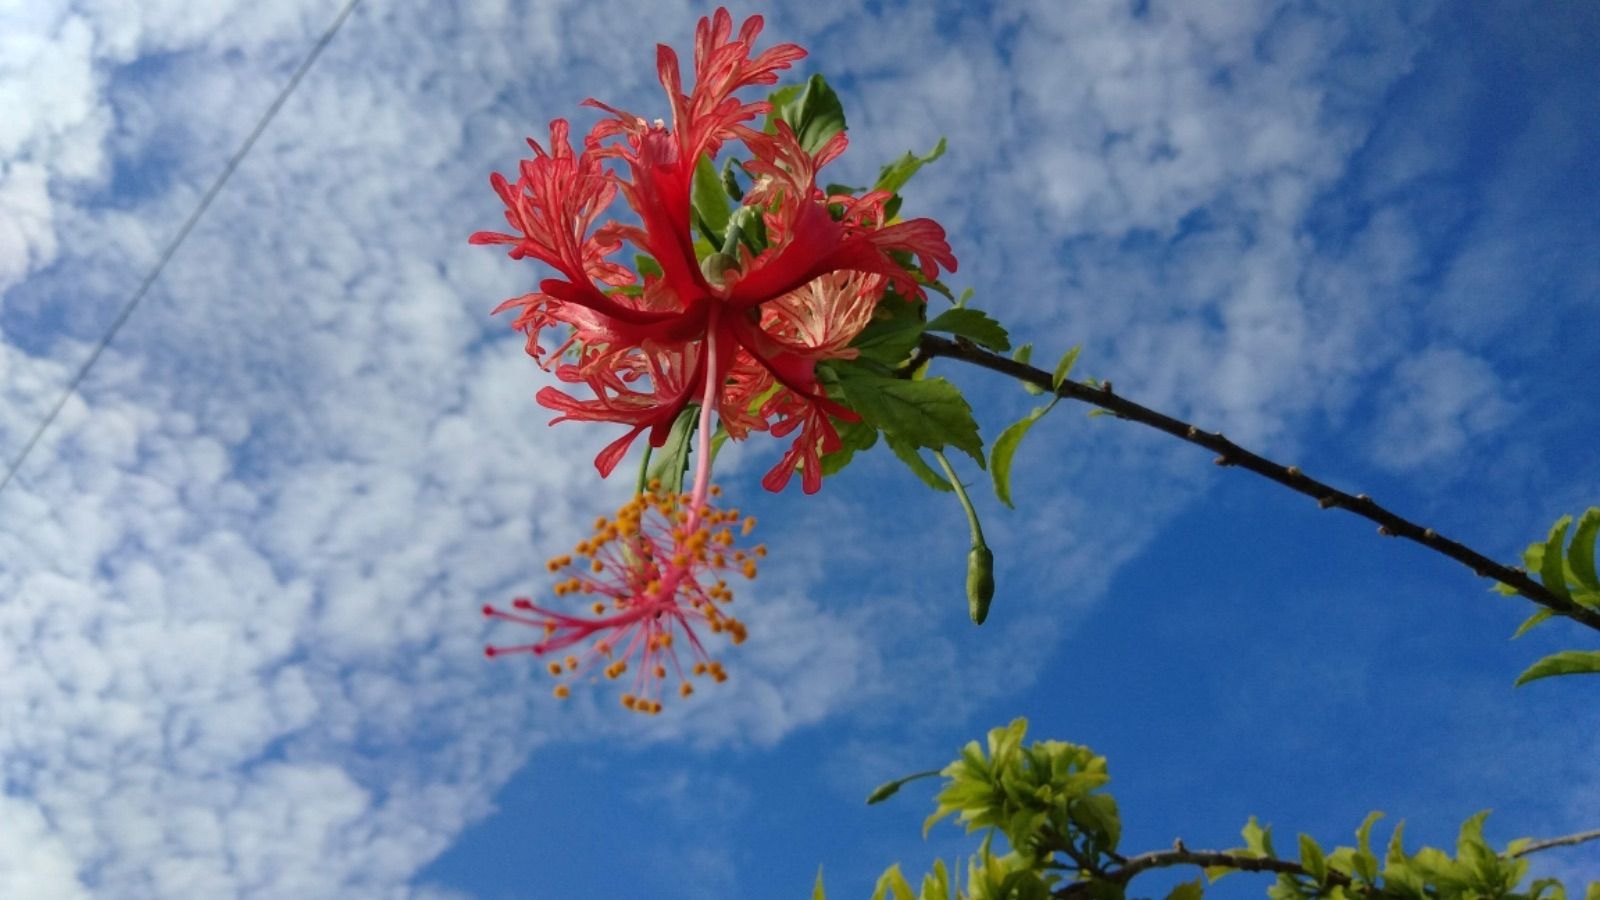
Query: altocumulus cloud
[238, 653]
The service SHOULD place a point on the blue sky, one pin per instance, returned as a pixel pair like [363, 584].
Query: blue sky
[239, 577]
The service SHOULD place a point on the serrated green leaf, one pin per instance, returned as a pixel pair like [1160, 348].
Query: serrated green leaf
[1064, 368]
[1570, 662]
[1005, 448]
[1397, 847]
[1552, 567]
[1580, 556]
[854, 437]
[813, 110]
[973, 324]
[894, 176]
[1257, 840]
[1187, 890]
[929, 413]
[709, 201]
[893, 332]
[1531, 621]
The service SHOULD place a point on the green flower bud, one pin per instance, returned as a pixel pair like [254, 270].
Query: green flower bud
[980, 583]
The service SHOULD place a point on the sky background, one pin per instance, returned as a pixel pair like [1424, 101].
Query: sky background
[240, 649]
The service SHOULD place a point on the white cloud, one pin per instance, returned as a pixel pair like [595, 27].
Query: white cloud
[1436, 403]
[238, 649]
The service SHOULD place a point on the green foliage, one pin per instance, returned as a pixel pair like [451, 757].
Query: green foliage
[1046, 799]
[928, 413]
[974, 325]
[813, 110]
[671, 460]
[1568, 571]
[1569, 662]
[709, 202]
[894, 176]
[1005, 446]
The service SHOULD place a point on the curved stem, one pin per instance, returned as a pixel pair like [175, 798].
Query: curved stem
[961, 494]
[1231, 454]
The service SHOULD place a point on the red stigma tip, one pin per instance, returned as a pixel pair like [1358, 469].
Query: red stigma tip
[489, 652]
[488, 610]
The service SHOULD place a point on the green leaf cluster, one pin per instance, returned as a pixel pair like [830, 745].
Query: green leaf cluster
[1568, 571]
[1047, 800]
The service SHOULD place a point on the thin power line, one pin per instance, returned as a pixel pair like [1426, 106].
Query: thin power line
[178, 239]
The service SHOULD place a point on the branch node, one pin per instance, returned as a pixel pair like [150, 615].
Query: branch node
[1105, 386]
[1363, 498]
[1294, 471]
[1223, 461]
[1429, 533]
[1193, 432]
[1328, 502]
[1386, 531]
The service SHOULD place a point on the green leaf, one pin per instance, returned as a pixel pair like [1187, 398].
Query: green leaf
[1187, 890]
[895, 175]
[1005, 448]
[1552, 569]
[1257, 840]
[813, 110]
[929, 413]
[709, 201]
[1097, 815]
[893, 883]
[893, 332]
[1064, 368]
[973, 324]
[854, 437]
[1024, 355]
[908, 454]
[1570, 662]
[647, 266]
[817, 893]
[1531, 621]
[1366, 862]
[672, 458]
[1580, 556]
[730, 179]
[1312, 858]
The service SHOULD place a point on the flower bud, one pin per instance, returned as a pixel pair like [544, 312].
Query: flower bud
[980, 583]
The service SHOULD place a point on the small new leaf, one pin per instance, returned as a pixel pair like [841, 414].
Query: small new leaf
[1580, 556]
[1552, 567]
[1024, 355]
[1005, 448]
[1570, 662]
[1187, 890]
[894, 176]
[1529, 622]
[1064, 368]
[973, 324]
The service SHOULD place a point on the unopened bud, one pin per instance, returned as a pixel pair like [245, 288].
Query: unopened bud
[980, 583]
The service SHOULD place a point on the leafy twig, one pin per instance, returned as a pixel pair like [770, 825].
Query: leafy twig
[1231, 454]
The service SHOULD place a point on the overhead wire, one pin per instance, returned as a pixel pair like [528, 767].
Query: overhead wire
[177, 240]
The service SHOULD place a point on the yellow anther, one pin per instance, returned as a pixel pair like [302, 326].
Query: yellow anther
[572, 663]
[761, 550]
[601, 647]
[597, 566]
[600, 523]
[749, 568]
[555, 668]
[661, 671]
[699, 668]
[685, 689]
[629, 700]
[655, 485]
[716, 491]
[562, 692]
[599, 608]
